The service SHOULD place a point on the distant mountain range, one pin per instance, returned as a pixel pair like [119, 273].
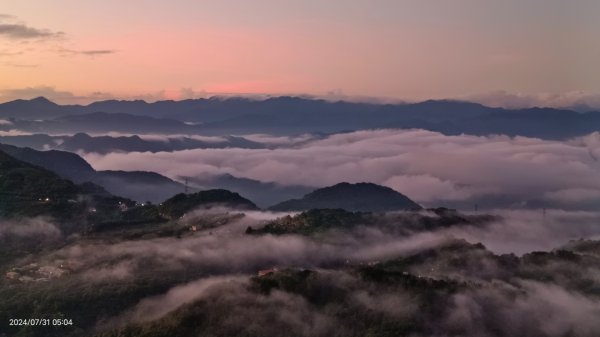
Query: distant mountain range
[292, 115]
[364, 197]
[105, 144]
[100, 122]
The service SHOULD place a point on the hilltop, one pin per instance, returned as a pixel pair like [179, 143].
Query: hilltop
[364, 197]
[182, 203]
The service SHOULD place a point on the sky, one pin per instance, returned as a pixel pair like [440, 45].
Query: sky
[510, 50]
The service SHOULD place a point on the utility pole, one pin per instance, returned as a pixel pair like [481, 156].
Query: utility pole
[544, 213]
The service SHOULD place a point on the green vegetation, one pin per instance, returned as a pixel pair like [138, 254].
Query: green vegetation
[180, 204]
[116, 269]
[27, 190]
[321, 220]
[397, 297]
[313, 221]
[364, 197]
[85, 301]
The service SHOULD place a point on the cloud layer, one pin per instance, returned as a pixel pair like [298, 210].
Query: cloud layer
[427, 166]
[27, 228]
[227, 250]
[579, 100]
[21, 31]
[535, 298]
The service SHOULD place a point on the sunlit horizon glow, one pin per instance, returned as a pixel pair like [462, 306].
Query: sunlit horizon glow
[78, 52]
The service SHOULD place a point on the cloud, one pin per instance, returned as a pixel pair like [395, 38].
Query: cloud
[422, 187]
[155, 307]
[32, 92]
[13, 133]
[523, 308]
[180, 94]
[529, 306]
[97, 52]
[428, 166]
[10, 53]
[574, 195]
[20, 65]
[17, 31]
[27, 228]
[224, 258]
[536, 309]
[227, 250]
[579, 100]
[279, 140]
[11, 29]
[14, 30]
[245, 310]
[523, 231]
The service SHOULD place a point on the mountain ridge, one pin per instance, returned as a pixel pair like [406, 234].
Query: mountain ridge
[293, 115]
[364, 197]
[136, 185]
[28, 190]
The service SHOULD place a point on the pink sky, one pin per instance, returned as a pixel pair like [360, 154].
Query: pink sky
[401, 49]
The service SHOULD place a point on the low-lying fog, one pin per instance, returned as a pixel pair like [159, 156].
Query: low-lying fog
[222, 258]
[430, 168]
[228, 249]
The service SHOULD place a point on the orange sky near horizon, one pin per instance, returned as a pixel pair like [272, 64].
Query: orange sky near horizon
[77, 51]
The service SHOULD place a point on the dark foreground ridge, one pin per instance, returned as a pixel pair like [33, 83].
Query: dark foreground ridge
[27, 191]
[137, 185]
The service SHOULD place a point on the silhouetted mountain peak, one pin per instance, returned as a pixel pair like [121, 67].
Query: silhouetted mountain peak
[342, 188]
[367, 197]
[42, 100]
[182, 203]
[80, 136]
